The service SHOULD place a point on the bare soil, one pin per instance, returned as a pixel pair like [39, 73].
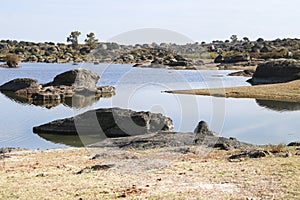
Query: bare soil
[165, 173]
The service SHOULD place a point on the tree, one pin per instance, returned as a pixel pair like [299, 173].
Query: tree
[91, 40]
[246, 39]
[234, 38]
[73, 38]
[260, 40]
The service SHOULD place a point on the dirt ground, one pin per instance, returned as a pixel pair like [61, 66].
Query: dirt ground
[169, 173]
[289, 91]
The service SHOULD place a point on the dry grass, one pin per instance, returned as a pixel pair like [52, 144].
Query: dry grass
[281, 92]
[164, 174]
[279, 148]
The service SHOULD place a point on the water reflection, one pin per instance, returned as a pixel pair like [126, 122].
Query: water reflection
[82, 101]
[70, 140]
[279, 105]
[77, 101]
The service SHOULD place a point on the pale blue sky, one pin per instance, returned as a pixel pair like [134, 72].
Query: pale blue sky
[200, 20]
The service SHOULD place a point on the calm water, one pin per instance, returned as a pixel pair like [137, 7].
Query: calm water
[249, 120]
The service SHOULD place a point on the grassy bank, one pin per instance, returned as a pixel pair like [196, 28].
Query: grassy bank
[281, 92]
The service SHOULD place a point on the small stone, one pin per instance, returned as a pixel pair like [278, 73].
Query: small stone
[250, 154]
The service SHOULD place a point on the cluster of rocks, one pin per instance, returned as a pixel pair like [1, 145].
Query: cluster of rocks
[124, 128]
[47, 52]
[156, 57]
[276, 71]
[63, 87]
[224, 52]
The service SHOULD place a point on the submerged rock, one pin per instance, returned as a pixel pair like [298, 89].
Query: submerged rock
[109, 122]
[276, 71]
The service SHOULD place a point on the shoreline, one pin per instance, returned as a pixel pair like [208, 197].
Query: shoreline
[206, 66]
[289, 92]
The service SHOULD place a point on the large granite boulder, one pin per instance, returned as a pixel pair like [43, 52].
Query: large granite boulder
[18, 84]
[76, 77]
[276, 71]
[110, 122]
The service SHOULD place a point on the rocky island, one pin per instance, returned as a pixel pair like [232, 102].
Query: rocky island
[65, 87]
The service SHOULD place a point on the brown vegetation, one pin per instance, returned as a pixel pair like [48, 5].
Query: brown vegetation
[281, 92]
[12, 60]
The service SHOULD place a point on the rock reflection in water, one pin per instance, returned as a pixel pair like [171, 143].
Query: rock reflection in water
[77, 101]
[71, 140]
[81, 101]
[279, 105]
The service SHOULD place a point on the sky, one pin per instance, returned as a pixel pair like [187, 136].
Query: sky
[199, 20]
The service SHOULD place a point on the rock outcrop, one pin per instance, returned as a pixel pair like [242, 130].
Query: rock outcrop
[203, 130]
[110, 122]
[201, 137]
[169, 139]
[64, 86]
[276, 71]
[158, 58]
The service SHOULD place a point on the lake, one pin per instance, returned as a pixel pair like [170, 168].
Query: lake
[140, 89]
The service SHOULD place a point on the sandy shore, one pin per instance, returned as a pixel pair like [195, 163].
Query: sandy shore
[280, 92]
[166, 173]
